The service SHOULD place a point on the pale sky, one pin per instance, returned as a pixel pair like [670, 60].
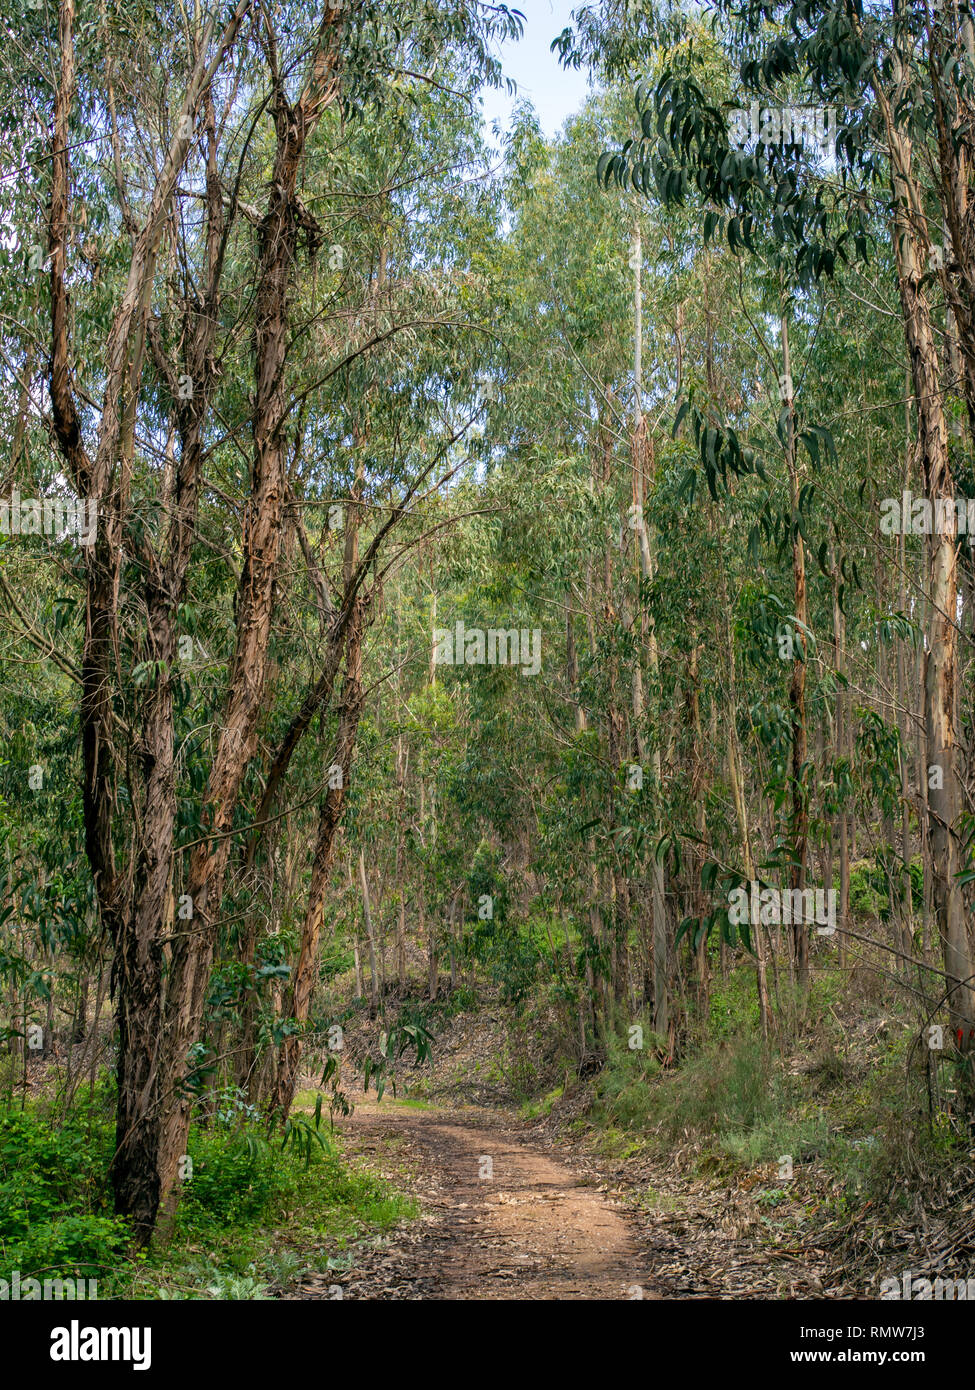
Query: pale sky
[555, 92]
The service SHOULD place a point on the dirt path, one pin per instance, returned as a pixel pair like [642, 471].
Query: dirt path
[501, 1219]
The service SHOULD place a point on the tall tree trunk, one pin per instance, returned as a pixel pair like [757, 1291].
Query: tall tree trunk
[401, 867]
[660, 934]
[370, 939]
[940, 664]
[132, 906]
[841, 755]
[799, 829]
[298, 1002]
[738, 795]
[263, 530]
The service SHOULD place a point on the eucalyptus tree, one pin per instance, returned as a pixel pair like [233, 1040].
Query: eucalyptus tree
[140, 325]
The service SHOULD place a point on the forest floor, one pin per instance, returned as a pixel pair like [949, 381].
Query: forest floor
[510, 1212]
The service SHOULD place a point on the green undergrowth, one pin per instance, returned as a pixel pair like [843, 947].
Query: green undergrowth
[255, 1214]
[838, 1107]
[537, 1109]
[55, 1212]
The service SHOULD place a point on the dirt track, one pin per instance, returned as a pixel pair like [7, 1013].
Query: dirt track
[501, 1219]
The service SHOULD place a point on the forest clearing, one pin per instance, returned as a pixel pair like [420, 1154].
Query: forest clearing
[487, 697]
